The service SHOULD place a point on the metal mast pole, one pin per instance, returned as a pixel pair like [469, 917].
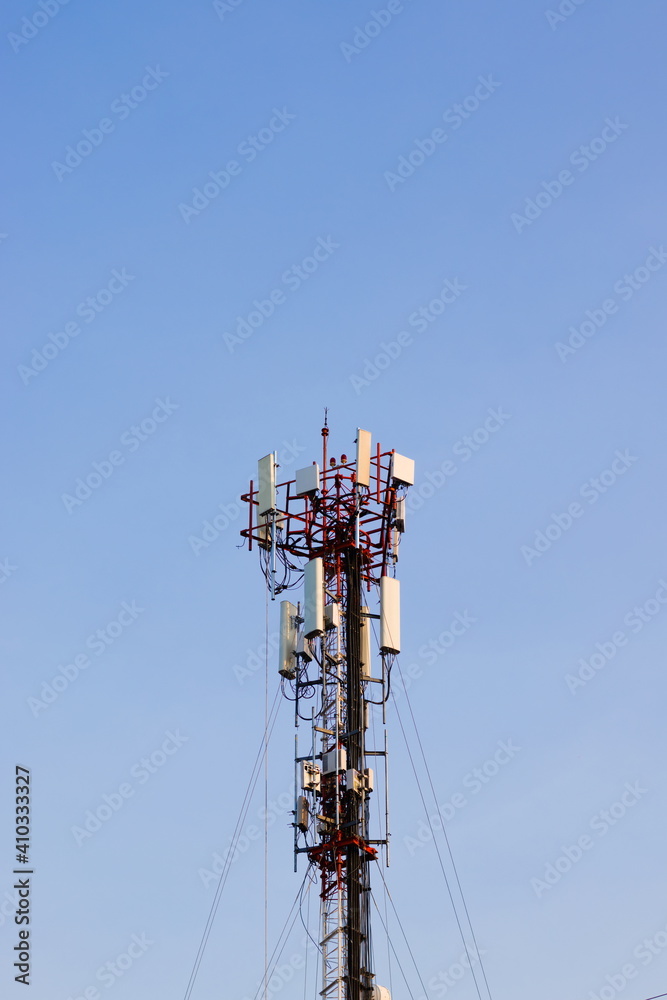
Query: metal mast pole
[357, 896]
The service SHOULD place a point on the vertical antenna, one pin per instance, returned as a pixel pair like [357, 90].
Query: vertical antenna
[325, 435]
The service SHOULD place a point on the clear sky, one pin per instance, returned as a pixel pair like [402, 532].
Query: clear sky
[445, 222]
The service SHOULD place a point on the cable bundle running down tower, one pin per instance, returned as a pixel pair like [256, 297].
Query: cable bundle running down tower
[337, 531]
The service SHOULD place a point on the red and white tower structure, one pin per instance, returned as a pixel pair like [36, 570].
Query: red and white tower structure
[334, 531]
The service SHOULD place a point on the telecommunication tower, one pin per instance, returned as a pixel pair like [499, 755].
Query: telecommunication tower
[335, 531]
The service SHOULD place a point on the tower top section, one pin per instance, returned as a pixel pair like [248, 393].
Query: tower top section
[328, 508]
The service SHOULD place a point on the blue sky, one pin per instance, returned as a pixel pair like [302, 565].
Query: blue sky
[429, 309]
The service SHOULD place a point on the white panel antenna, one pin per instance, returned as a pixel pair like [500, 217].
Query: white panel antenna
[334, 760]
[313, 598]
[331, 616]
[266, 475]
[402, 469]
[288, 640]
[390, 615]
[363, 457]
[307, 480]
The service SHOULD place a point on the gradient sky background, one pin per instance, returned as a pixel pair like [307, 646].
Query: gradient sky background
[163, 337]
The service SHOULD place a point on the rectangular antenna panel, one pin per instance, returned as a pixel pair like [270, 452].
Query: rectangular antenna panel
[400, 514]
[334, 760]
[313, 599]
[366, 660]
[307, 480]
[354, 781]
[302, 813]
[310, 776]
[363, 457]
[390, 615]
[360, 781]
[266, 475]
[303, 648]
[288, 639]
[403, 469]
[331, 616]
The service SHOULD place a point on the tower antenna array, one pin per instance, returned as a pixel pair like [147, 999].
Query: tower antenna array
[335, 531]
